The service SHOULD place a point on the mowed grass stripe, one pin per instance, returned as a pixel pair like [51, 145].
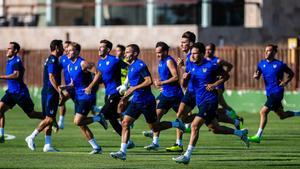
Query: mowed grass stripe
[280, 147]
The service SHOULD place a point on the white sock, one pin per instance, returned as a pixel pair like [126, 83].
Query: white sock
[123, 147]
[61, 119]
[1, 131]
[96, 118]
[296, 113]
[155, 140]
[48, 140]
[179, 142]
[94, 144]
[189, 151]
[34, 133]
[238, 133]
[175, 124]
[259, 132]
[236, 122]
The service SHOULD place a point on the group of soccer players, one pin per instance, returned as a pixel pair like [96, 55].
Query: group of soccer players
[128, 94]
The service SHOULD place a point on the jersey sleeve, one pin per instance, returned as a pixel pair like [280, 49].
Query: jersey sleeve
[144, 71]
[52, 67]
[17, 65]
[259, 67]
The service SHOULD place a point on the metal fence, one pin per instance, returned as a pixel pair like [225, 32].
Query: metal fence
[243, 59]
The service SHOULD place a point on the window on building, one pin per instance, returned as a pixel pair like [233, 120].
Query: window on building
[74, 12]
[176, 12]
[228, 12]
[124, 12]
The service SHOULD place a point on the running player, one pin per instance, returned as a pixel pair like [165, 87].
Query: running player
[188, 101]
[80, 75]
[273, 73]
[142, 102]
[17, 91]
[109, 71]
[70, 93]
[226, 110]
[205, 77]
[50, 96]
[171, 92]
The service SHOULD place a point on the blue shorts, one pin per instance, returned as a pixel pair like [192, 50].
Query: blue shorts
[189, 99]
[207, 111]
[134, 110]
[23, 100]
[83, 107]
[166, 103]
[49, 103]
[274, 102]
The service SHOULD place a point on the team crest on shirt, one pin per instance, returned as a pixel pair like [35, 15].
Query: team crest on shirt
[18, 60]
[141, 64]
[64, 60]
[193, 69]
[76, 67]
[52, 60]
[264, 65]
[275, 66]
[107, 63]
[204, 70]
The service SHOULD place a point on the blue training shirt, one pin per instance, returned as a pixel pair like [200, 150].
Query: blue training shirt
[81, 80]
[273, 74]
[137, 71]
[15, 85]
[171, 89]
[110, 69]
[188, 67]
[201, 75]
[51, 66]
[215, 60]
[64, 62]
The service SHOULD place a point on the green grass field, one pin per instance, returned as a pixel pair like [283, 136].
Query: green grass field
[280, 147]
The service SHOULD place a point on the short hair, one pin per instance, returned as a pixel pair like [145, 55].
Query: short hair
[190, 36]
[76, 46]
[67, 42]
[274, 47]
[199, 46]
[55, 44]
[212, 45]
[163, 45]
[107, 43]
[121, 47]
[16, 46]
[135, 48]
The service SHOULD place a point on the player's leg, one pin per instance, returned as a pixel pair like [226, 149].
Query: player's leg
[126, 122]
[109, 110]
[183, 113]
[155, 140]
[79, 117]
[262, 124]
[3, 109]
[27, 105]
[285, 114]
[195, 127]
[214, 126]
[223, 117]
